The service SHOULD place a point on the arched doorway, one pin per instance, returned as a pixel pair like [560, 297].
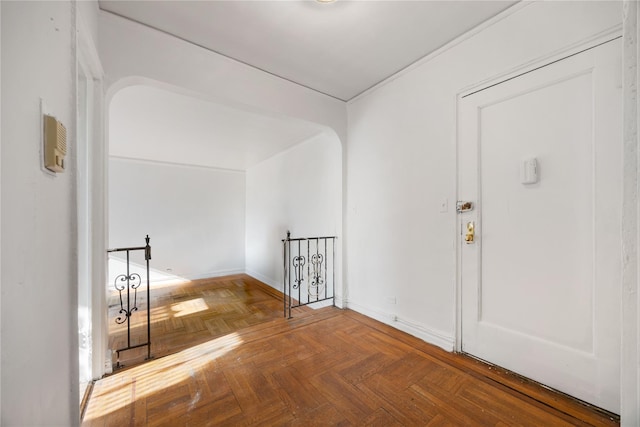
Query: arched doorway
[216, 186]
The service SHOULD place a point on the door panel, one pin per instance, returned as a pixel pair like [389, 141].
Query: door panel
[540, 284]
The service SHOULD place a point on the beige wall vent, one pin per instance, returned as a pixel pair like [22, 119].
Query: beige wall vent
[55, 144]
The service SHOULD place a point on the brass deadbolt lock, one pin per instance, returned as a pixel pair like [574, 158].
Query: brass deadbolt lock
[471, 232]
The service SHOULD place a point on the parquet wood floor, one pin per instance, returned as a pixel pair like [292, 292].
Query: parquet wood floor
[324, 367]
[191, 313]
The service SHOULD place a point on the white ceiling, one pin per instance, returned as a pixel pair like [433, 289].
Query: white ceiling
[340, 48]
[154, 124]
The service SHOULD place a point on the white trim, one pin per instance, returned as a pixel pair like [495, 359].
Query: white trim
[83, 139]
[275, 284]
[450, 45]
[0, 208]
[340, 302]
[431, 336]
[212, 274]
[457, 290]
[164, 163]
[546, 59]
[174, 278]
[87, 45]
[630, 299]
[566, 51]
[87, 53]
[423, 332]
[100, 235]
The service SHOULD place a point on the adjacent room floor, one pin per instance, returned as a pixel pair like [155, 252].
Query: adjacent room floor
[232, 359]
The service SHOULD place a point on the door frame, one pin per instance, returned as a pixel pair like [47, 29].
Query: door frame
[84, 138]
[88, 58]
[528, 67]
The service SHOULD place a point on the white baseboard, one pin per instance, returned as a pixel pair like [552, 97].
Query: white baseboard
[211, 274]
[442, 340]
[340, 303]
[275, 284]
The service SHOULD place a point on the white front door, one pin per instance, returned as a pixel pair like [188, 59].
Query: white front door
[540, 157]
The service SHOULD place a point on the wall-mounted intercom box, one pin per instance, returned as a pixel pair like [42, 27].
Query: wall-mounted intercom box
[55, 144]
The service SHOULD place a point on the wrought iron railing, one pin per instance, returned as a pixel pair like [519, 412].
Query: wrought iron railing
[126, 285]
[309, 271]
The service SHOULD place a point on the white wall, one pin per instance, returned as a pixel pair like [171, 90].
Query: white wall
[151, 123]
[298, 190]
[401, 163]
[195, 216]
[39, 348]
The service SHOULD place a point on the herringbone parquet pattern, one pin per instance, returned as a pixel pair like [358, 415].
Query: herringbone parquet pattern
[191, 313]
[322, 368]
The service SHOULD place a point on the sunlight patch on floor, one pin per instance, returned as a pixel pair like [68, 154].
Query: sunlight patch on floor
[122, 389]
[191, 306]
[158, 314]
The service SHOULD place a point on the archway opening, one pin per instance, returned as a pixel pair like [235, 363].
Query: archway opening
[216, 186]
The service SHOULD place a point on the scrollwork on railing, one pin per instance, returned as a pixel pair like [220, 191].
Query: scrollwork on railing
[133, 281]
[318, 254]
[124, 284]
[298, 268]
[317, 282]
